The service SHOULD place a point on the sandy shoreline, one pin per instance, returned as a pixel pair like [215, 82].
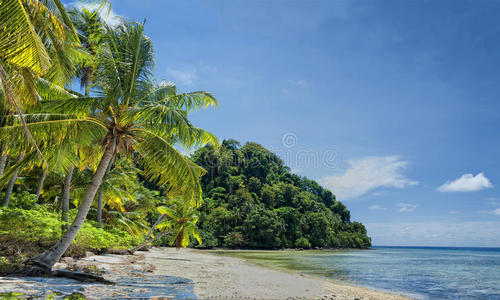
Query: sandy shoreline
[217, 276]
[165, 273]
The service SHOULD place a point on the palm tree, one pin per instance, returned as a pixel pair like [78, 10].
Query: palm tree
[90, 28]
[180, 221]
[130, 115]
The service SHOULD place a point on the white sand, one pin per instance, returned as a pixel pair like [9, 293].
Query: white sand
[217, 276]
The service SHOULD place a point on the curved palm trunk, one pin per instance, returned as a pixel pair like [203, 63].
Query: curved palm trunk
[3, 159]
[40, 184]
[154, 226]
[99, 210]
[132, 251]
[50, 257]
[65, 197]
[99, 199]
[10, 185]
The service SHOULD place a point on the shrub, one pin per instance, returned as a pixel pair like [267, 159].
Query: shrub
[28, 232]
[23, 200]
[234, 239]
[208, 240]
[302, 242]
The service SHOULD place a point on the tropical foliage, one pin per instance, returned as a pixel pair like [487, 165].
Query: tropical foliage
[252, 200]
[125, 124]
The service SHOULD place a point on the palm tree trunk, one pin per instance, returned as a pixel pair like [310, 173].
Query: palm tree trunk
[99, 210]
[132, 251]
[65, 197]
[10, 185]
[99, 199]
[50, 257]
[40, 184]
[154, 225]
[3, 159]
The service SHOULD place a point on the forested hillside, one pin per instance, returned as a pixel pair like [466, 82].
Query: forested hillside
[252, 200]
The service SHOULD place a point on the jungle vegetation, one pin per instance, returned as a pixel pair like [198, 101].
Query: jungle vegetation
[251, 199]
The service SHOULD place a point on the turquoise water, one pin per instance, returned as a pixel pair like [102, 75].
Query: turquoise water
[425, 273]
[419, 272]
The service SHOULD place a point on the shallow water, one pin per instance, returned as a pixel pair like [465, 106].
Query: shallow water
[419, 272]
[126, 287]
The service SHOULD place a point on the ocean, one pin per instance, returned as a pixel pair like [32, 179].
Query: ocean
[418, 272]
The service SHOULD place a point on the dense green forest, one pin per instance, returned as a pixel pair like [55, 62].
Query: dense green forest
[252, 200]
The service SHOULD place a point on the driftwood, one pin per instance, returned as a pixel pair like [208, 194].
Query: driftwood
[114, 251]
[34, 270]
[81, 276]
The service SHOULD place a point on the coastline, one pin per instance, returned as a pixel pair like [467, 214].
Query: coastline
[188, 273]
[221, 276]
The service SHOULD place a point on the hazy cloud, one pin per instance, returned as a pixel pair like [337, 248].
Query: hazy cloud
[366, 174]
[185, 77]
[466, 183]
[447, 233]
[496, 212]
[376, 207]
[406, 207]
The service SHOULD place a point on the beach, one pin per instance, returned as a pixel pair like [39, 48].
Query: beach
[187, 273]
[217, 276]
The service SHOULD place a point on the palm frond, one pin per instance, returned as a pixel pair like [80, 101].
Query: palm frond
[166, 94]
[50, 91]
[79, 106]
[50, 129]
[191, 101]
[20, 45]
[164, 165]
[172, 123]
[126, 60]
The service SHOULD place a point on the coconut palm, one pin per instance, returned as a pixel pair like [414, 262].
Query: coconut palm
[91, 30]
[130, 115]
[179, 222]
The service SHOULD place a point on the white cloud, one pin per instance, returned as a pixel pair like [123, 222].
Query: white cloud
[406, 207]
[446, 233]
[466, 183]
[375, 207]
[496, 212]
[454, 212]
[366, 174]
[185, 77]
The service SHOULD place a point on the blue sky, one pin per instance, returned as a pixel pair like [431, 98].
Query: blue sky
[394, 105]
